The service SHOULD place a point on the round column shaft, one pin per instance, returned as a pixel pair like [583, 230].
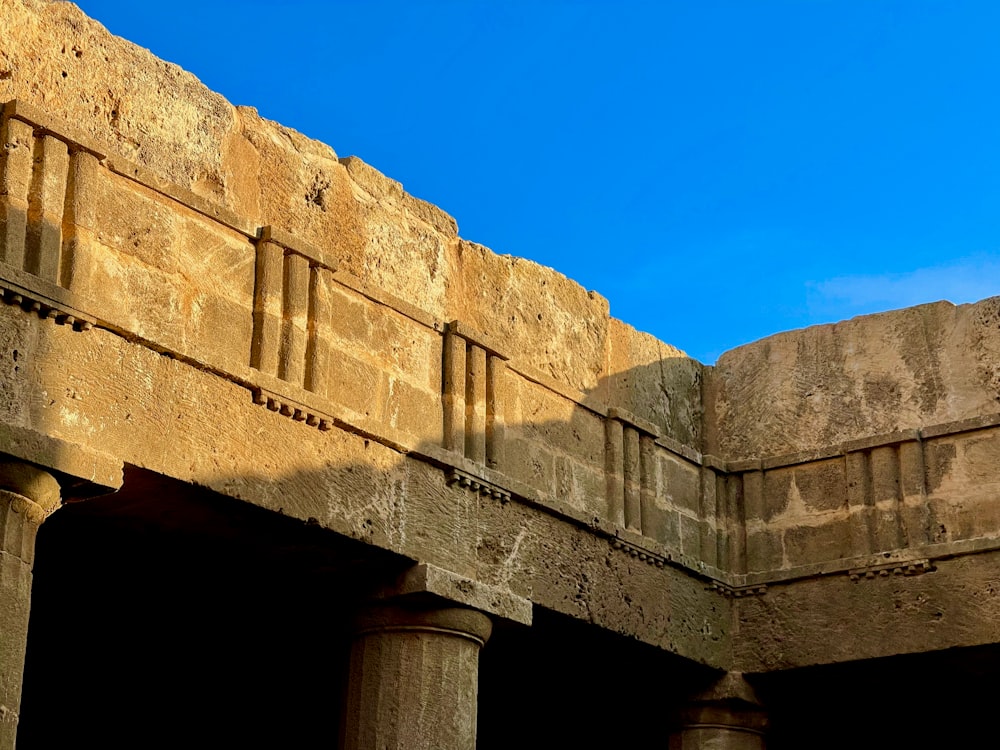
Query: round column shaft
[414, 679]
[27, 496]
[727, 716]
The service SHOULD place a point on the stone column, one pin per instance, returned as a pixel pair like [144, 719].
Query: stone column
[27, 496]
[414, 677]
[726, 716]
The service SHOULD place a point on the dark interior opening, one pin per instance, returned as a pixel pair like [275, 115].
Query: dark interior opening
[164, 616]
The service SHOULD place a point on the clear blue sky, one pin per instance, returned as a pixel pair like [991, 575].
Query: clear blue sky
[720, 171]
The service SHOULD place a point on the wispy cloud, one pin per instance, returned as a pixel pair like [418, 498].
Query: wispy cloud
[963, 280]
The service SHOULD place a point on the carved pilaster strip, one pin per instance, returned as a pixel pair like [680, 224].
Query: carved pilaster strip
[913, 487]
[708, 517]
[886, 497]
[496, 396]
[631, 479]
[80, 207]
[736, 527]
[454, 391]
[614, 463]
[473, 394]
[647, 480]
[475, 403]
[267, 307]
[15, 181]
[859, 502]
[46, 203]
[318, 345]
[294, 318]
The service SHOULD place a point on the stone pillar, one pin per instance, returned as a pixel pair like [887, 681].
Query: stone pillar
[27, 496]
[414, 678]
[726, 716]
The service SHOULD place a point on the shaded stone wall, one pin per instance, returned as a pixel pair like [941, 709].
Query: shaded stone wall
[219, 300]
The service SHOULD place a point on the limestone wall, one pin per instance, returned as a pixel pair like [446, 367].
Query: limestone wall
[218, 299]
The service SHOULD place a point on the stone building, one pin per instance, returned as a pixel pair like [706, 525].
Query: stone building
[315, 471]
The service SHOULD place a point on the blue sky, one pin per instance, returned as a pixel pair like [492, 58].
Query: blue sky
[720, 171]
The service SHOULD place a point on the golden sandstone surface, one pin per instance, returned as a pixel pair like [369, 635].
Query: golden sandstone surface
[202, 297]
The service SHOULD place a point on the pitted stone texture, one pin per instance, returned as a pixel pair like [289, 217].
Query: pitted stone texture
[655, 381]
[871, 375]
[413, 679]
[550, 322]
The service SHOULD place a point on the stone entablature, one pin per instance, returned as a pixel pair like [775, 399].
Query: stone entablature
[318, 345]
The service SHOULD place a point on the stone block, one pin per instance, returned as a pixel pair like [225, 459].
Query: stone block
[764, 551]
[828, 541]
[821, 484]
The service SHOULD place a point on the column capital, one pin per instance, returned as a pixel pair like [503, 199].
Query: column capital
[720, 715]
[399, 616]
[414, 676]
[35, 491]
[424, 582]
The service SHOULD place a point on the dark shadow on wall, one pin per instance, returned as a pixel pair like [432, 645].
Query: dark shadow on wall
[167, 616]
[170, 616]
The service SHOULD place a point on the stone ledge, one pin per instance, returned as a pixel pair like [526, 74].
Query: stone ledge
[625, 417]
[47, 124]
[269, 233]
[44, 298]
[473, 336]
[83, 472]
[424, 578]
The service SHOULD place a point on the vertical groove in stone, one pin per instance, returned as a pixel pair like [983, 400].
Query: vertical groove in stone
[475, 404]
[647, 480]
[496, 384]
[631, 479]
[81, 203]
[267, 308]
[722, 521]
[453, 392]
[46, 203]
[913, 490]
[707, 547]
[294, 318]
[15, 184]
[860, 503]
[884, 468]
[736, 529]
[614, 463]
[317, 344]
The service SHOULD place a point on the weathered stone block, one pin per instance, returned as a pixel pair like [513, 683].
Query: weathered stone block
[812, 544]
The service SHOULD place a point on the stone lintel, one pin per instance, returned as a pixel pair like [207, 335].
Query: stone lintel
[962, 425]
[278, 236]
[877, 441]
[714, 462]
[801, 457]
[429, 580]
[82, 472]
[478, 338]
[679, 449]
[750, 464]
[45, 123]
[640, 424]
